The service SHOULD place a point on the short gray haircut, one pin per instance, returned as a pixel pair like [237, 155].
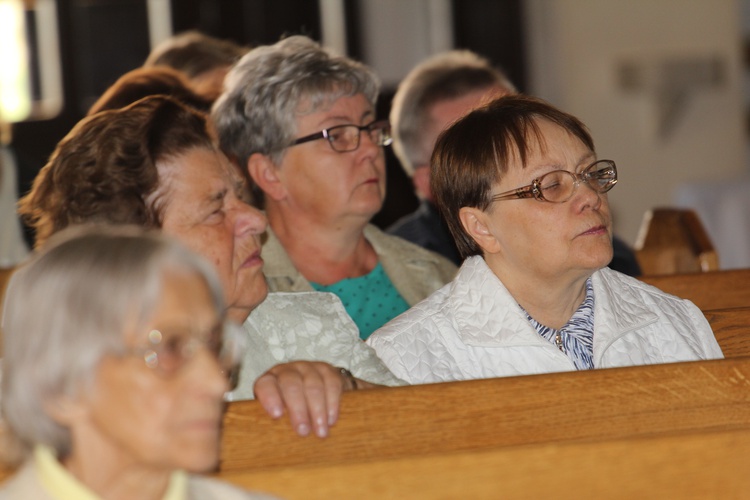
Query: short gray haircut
[69, 306]
[272, 85]
[442, 77]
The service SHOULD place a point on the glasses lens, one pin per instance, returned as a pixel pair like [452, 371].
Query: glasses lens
[602, 175]
[168, 351]
[380, 133]
[344, 138]
[556, 186]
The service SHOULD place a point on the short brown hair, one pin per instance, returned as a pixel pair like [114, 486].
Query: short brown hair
[104, 170]
[474, 153]
[194, 53]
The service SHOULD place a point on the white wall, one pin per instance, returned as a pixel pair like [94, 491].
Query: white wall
[576, 49]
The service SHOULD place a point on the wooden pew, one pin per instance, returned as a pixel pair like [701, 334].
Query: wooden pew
[697, 465]
[416, 421]
[709, 290]
[732, 330]
[673, 240]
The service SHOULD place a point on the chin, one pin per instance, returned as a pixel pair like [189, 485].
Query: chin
[199, 457]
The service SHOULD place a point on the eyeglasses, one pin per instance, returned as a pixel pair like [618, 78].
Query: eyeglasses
[558, 186]
[343, 138]
[168, 352]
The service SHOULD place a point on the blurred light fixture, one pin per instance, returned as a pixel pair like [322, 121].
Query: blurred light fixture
[30, 77]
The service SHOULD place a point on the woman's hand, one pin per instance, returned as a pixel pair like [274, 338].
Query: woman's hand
[309, 390]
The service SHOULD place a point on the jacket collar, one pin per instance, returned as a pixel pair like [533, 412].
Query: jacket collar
[487, 315]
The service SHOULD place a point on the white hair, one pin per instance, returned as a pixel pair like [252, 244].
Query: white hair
[69, 306]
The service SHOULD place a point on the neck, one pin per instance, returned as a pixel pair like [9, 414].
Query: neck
[238, 315]
[325, 252]
[550, 301]
[107, 471]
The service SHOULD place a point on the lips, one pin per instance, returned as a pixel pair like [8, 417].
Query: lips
[595, 231]
[253, 260]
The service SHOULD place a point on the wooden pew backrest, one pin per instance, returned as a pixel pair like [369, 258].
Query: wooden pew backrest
[484, 414]
[672, 241]
[709, 290]
[732, 330]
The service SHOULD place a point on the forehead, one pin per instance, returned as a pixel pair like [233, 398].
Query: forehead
[549, 143]
[333, 104]
[197, 172]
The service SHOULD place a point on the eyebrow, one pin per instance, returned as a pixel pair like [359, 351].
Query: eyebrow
[216, 196]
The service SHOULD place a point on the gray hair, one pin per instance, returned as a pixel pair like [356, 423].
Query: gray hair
[272, 85]
[445, 76]
[69, 306]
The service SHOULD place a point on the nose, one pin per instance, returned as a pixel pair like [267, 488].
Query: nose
[367, 143]
[586, 194]
[249, 220]
[208, 373]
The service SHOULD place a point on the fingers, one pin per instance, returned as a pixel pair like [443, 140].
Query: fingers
[309, 391]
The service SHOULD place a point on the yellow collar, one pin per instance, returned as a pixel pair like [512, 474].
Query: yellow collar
[62, 485]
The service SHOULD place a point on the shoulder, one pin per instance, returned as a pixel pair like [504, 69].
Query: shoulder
[413, 227]
[388, 246]
[295, 308]
[626, 299]
[614, 283]
[210, 489]
[421, 321]
[23, 484]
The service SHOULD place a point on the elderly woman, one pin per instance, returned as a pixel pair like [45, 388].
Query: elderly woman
[156, 164]
[525, 197]
[302, 122]
[135, 355]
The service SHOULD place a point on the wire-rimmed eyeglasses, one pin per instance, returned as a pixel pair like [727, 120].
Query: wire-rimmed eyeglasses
[166, 352]
[343, 138]
[558, 186]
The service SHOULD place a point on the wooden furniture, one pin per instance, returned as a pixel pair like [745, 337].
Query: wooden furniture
[694, 465]
[476, 415]
[709, 290]
[674, 241]
[732, 330]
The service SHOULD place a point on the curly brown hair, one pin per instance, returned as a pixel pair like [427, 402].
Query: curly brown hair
[105, 169]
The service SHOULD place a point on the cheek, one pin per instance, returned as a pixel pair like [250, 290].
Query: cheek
[133, 414]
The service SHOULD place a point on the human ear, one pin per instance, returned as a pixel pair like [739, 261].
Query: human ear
[65, 410]
[475, 223]
[265, 175]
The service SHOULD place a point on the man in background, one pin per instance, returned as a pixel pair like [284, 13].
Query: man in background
[434, 94]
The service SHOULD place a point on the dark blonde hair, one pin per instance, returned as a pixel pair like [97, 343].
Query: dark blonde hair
[475, 153]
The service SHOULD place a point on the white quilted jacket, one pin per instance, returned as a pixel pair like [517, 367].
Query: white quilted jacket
[473, 328]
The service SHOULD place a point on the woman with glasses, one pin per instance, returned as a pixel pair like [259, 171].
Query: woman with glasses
[525, 198]
[156, 164]
[115, 391]
[301, 122]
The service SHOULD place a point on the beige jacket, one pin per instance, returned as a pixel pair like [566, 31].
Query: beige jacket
[414, 271]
